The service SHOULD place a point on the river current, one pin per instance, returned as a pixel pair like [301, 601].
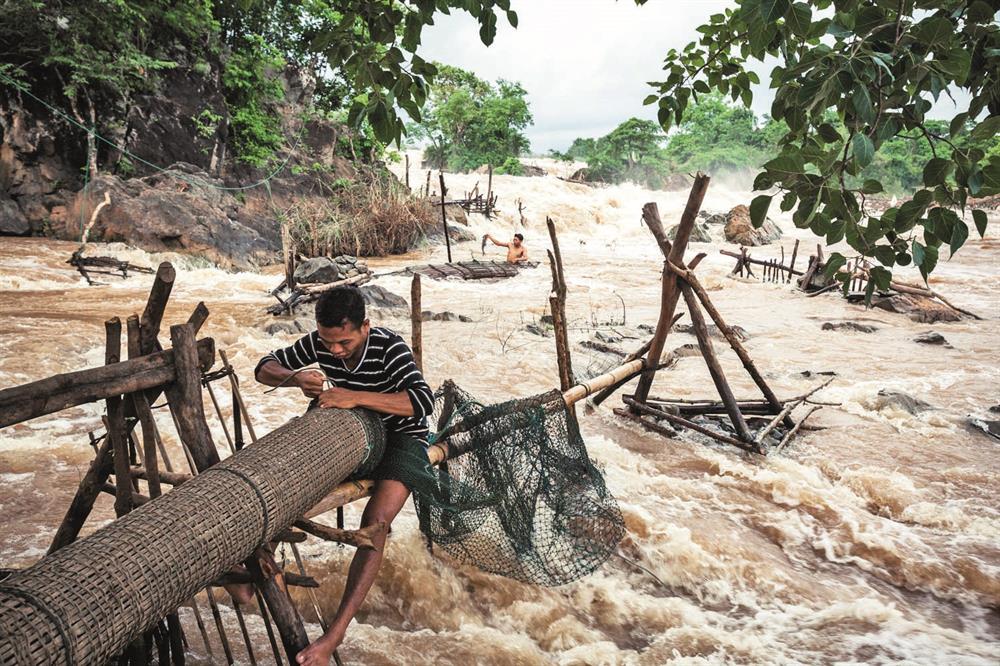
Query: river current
[873, 539]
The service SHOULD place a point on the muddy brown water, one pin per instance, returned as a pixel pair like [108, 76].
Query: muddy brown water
[873, 540]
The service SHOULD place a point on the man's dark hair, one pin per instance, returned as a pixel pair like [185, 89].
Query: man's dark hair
[519, 237]
[339, 306]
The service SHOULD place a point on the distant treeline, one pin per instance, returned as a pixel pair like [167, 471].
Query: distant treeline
[718, 137]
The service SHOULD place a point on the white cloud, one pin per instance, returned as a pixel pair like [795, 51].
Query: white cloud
[584, 63]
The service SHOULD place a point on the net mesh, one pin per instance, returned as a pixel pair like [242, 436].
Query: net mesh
[525, 501]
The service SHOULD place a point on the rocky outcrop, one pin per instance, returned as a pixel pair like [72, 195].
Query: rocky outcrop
[317, 270]
[932, 338]
[180, 210]
[919, 308]
[848, 326]
[379, 297]
[899, 400]
[739, 230]
[12, 220]
[699, 233]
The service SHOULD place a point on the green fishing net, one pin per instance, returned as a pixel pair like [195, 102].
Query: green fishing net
[524, 501]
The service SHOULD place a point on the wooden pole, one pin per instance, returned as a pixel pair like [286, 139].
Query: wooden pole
[557, 302]
[669, 292]
[684, 423]
[444, 216]
[159, 294]
[83, 501]
[795, 429]
[791, 264]
[185, 399]
[489, 192]
[52, 394]
[140, 406]
[714, 367]
[407, 157]
[235, 384]
[416, 323]
[692, 281]
[116, 424]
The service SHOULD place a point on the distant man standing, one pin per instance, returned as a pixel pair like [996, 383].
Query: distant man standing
[516, 252]
[370, 367]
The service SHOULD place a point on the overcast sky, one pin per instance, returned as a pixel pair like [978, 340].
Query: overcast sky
[584, 63]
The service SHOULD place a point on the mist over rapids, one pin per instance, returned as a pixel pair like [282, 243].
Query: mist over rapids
[875, 539]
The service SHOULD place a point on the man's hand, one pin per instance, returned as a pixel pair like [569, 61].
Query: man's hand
[311, 382]
[338, 397]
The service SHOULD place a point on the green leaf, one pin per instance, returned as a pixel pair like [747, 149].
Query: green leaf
[933, 32]
[864, 150]
[929, 262]
[885, 255]
[788, 201]
[871, 186]
[829, 134]
[881, 277]
[957, 124]
[758, 209]
[834, 264]
[959, 234]
[772, 10]
[917, 250]
[937, 170]
[979, 217]
[987, 129]
[512, 18]
[798, 19]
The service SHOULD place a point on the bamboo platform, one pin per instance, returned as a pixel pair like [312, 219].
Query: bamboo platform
[470, 270]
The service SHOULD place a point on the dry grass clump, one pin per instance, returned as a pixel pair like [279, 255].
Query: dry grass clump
[374, 215]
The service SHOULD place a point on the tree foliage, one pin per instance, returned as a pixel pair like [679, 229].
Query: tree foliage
[363, 52]
[469, 122]
[876, 65]
[633, 151]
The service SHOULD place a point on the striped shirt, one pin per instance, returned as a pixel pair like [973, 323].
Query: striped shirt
[386, 367]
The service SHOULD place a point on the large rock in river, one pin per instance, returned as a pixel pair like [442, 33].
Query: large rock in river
[181, 210]
[919, 308]
[317, 269]
[699, 233]
[739, 229]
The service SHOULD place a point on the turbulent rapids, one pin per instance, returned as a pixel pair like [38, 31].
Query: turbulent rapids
[874, 539]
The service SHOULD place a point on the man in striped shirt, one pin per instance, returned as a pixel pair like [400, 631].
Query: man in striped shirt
[368, 367]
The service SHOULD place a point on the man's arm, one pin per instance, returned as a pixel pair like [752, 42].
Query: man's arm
[278, 368]
[496, 242]
[397, 404]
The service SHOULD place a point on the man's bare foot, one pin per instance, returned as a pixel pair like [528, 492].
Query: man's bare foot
[242, 593]
[319, 653]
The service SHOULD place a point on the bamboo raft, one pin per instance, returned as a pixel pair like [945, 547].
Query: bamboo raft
[470, 270]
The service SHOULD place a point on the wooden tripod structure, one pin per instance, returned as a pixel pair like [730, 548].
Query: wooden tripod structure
[679, 280]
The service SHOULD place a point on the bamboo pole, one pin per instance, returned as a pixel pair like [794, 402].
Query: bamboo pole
[746, 259]
[186, 401]
[416, 323]
[671, 253]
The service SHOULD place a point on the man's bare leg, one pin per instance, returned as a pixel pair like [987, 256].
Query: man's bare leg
[387, 500]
